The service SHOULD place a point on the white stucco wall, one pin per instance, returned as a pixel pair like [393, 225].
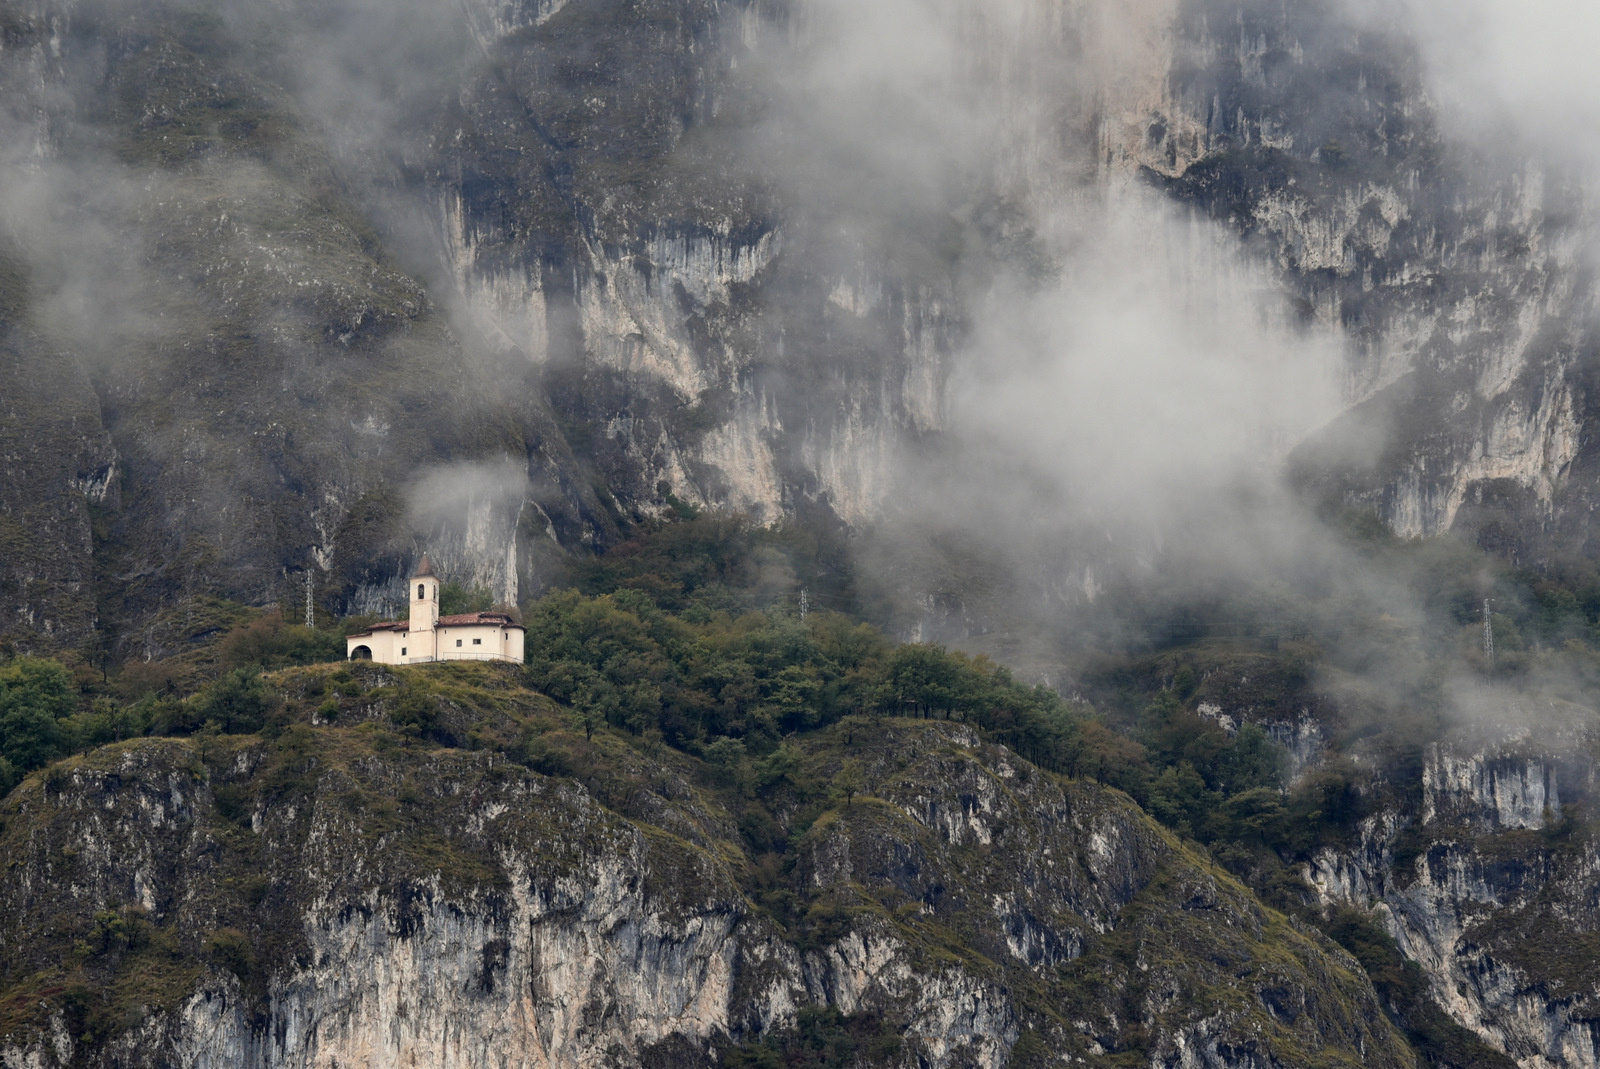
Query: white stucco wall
[462, 642]
[480, 642]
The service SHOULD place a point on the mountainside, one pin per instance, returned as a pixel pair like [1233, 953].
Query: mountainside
[339, 894]
[1474, 849]
[680, 835]
[1192, 356]
[1459, 278]
[600, 256]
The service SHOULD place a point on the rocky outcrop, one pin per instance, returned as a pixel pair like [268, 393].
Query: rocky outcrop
[1458, 283]
[316, 901]
[707, 341]
[1489, 888]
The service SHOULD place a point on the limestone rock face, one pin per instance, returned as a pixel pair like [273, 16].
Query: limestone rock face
[1472, 844]
[61, 468]
[315, 902]
[1457, 282]
[586, 272]
[674, 302]
[1489, 888]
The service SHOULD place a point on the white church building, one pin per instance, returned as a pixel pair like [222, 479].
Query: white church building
[427, 636]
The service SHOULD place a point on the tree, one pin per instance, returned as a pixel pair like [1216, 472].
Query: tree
[238, 703]
[850, 780]
[35, 696]
[455, 598]
[1179, 799]
[729, 766]
[29, 736]
[270, 641]
[923, 676]
[1255, 817]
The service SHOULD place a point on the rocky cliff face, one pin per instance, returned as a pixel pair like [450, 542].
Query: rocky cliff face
[1497, 904]
[629, 324]
[1457, 285]
[1484, 875]
[330, 899]
[701, 330]
[205, 292]
[243, 342]
[61, 467]
[1459, 282]
[603, 257]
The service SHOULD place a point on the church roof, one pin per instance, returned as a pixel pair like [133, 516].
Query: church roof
[387, 625]
[467, 619]
[424, 570]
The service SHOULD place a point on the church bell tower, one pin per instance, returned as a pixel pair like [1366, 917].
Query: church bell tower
[424, 598]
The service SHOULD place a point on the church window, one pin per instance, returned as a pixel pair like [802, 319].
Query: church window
[458, 642]
[421, 591]
[477, 642]
[402, 651]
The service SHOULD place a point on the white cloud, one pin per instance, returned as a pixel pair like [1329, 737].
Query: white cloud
[1528, 66]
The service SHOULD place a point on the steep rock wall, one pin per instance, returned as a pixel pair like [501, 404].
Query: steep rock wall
[644, 304]
[273, 388]
[1489, 889]
[60, 466]
[1459, 283]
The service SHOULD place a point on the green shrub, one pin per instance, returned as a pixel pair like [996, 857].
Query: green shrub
[237, 703]
[231, 949]
[36, 695]
[269, 641]
[455, 598]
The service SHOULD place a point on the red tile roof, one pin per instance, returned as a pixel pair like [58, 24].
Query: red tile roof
[466, 619]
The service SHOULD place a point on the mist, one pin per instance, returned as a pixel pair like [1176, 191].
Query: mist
[194, 194]
[1125, 377]
[1226, 365]
[1523, 71]
[467, 514]
[1131, 380]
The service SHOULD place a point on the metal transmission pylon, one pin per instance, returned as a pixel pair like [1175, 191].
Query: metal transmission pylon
[1488, 637]
[311, 618]
[805, 605]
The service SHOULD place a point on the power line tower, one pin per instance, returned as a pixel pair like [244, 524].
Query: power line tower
[311, 616]
[1488, 637]
[805, 604]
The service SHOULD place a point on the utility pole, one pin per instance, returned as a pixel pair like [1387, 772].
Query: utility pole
[1488, 637]
[311, 617]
